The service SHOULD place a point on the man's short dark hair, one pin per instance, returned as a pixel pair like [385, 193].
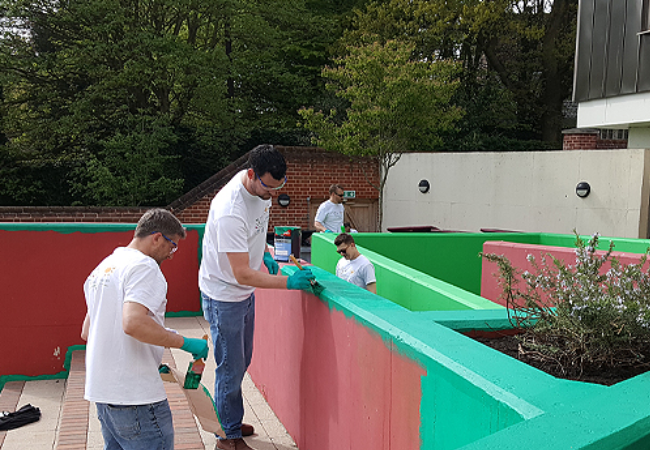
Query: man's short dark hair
[159, 219]
[343, 238]
[334, 188]
[266, 158]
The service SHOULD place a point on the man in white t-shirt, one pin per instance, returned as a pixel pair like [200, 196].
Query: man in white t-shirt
[330, 214]
[234, 247]
[126, 296]
[354, 267]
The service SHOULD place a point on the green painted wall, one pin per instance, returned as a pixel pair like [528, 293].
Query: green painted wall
[458, 404]
[450, 257]
[400, 283]
[473, 397]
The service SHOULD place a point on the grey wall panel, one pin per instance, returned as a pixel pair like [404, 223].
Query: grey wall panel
[599, 49]
[614, 70]
[583, 50]
[631, 47]
[643, 81]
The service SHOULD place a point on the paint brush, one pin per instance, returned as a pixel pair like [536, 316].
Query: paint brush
[315, 285]
[194, 372]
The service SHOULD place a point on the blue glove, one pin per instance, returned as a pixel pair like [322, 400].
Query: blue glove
[301, 279]
[270, 264]
[197, 347]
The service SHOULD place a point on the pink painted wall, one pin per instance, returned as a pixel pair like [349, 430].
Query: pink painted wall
[42, 304]
[518, 254]
[334, 383]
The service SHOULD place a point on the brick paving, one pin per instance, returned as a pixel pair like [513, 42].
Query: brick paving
[9, 400]
[69, 422]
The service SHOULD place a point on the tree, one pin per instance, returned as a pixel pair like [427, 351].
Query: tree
[397, 103]
[525, 48]
[178, 86]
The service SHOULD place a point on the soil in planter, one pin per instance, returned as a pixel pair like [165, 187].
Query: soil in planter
[602, 375]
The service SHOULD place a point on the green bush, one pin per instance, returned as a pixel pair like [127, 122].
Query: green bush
[580, 316]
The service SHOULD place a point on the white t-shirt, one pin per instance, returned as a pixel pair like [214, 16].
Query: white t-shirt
[330, 215]
[358, 271]
[120, 369]
[238, 222]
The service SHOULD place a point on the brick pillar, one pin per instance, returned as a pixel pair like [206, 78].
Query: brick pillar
[580, 139]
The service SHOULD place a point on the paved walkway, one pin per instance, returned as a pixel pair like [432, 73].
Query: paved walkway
[70, 423]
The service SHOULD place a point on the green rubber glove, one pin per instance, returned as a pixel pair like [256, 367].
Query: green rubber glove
[329, 231]
[197, 347]
[301, 279]
[270, 264]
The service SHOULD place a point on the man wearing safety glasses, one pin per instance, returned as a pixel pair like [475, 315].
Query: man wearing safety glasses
[126, 296]
[330, 214]
[234, 247]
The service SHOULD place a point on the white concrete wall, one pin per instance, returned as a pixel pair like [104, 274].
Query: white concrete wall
[638, 137]
[526, 191]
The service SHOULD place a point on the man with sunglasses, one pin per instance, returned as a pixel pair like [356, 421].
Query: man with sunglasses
[126, 296]
[329, 217]
[354, 267]
[234, 248]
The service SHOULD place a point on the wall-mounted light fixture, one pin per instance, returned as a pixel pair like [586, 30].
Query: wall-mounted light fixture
[424, 186]
[284, 200]
[583, 189]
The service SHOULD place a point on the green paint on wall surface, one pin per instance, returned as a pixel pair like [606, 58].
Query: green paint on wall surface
[4, 379]
[473, 397]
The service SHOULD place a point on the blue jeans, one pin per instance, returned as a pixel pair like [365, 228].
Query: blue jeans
[137, 427]
[232, 325]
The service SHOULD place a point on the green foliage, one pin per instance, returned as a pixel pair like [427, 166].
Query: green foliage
[517, 59]
[131, 169]
[579, 316]
[397, 104]
[88, 84]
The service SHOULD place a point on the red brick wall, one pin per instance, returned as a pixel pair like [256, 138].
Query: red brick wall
[310, 172]
[69, 214]
[604, 144]
[589, 139]
[580, 141]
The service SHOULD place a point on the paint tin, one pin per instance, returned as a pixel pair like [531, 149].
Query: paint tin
[282, 247]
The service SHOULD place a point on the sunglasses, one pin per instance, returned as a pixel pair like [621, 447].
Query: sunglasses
[343, 250]
[269, 188]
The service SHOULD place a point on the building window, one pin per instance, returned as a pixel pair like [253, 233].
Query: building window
[645, 17]
[613, 134]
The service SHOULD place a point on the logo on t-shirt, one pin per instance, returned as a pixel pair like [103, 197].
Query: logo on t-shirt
[262, 222]
[100, 277]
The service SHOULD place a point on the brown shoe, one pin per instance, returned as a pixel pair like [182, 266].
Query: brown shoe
[247, 430]
[232, 444]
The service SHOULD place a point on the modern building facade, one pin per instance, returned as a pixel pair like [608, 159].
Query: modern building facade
[612, 69]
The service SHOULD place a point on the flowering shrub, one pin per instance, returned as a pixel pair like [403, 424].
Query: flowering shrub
[580, 316]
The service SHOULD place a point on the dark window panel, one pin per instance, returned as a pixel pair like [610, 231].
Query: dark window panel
[615, 46]
[583, 51]
[631, 49]
[599, 49]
